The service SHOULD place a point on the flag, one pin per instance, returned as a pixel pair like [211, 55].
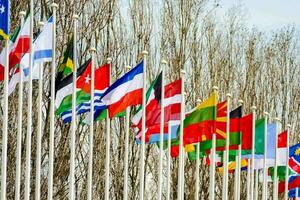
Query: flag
[200, 124]
[294, 182]
[294, 158]
[126, 91]
[19, 45]
[232, 166]
[66, 65]
[246, 129]
[42, 53]
[172, 105]
[64, 87]
[83, 96]
[4, 19]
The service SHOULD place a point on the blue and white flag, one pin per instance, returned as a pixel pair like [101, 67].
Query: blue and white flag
[42, 53]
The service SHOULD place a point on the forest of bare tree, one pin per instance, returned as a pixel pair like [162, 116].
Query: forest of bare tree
[262, 68]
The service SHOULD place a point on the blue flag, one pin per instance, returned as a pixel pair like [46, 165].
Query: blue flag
[4, 19]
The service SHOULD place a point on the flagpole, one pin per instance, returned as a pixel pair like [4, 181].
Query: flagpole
[29, 111]
[5, 116]
[169, 163]
[256, 184]
[20, 123]
[39, 132]
[265, 175]
[107, 146]
[212, 164]
[144, 53]
[54, 7]
[197, 166]
[125, 185]
[248, 179]
[181, 149]
[238, 163]
[225, 172]
[297, 191]
[73, 129]
[162, 120]
[91, 135]
[286, 188]
[253, 108]
[275, 183]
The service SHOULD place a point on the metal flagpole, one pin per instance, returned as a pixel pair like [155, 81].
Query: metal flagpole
[169, 163]
[54, 7]
[197, 166]
[181, 148]
[5, 120]
[225, 171]
[256, 184]
[297, 192]
[213, 160]
[107, 147]
[238, 164]
[125, 185]
[29, 112]
[162, 120]
[73, 129]
[286, 188]
[265, 175]
[39, 132]
[91, 135]
[20, 123]
[253, 108]
[275, 183]
[142, 167]
[248, 179]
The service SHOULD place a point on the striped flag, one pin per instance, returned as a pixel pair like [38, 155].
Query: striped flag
[126, 91]
[42, 53]
[83, 96]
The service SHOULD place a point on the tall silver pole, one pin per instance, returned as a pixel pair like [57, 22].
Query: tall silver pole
[91, 135]
[142, 167]
[265, 172]
[275, 183]
[253, 108]
[125, 185]
[238, 164]
[54, 7]
[286, 186]
[107, 148]
[225, 172]
[248, 179]
[29, 112]
[5, 123]
[181, 148]
[213, 161]
[297, 192]
[39, 132]
[169, 163]
[20, 124]
[256, 184]
[161, 140]
[197, 166]
[73, 130]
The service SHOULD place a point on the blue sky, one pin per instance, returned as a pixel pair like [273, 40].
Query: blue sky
[268, 14]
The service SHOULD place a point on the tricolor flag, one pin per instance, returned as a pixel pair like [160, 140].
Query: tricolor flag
[19, 45]
[126, 91]
[42, 53]
[83, 96]
[4, 19]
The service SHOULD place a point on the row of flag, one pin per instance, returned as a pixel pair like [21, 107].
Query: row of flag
[208, 119]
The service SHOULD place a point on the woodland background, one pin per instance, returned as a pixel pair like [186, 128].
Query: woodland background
[261, 68]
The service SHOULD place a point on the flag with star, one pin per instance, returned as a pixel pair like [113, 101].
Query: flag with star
[83, 94]
[4, 19]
